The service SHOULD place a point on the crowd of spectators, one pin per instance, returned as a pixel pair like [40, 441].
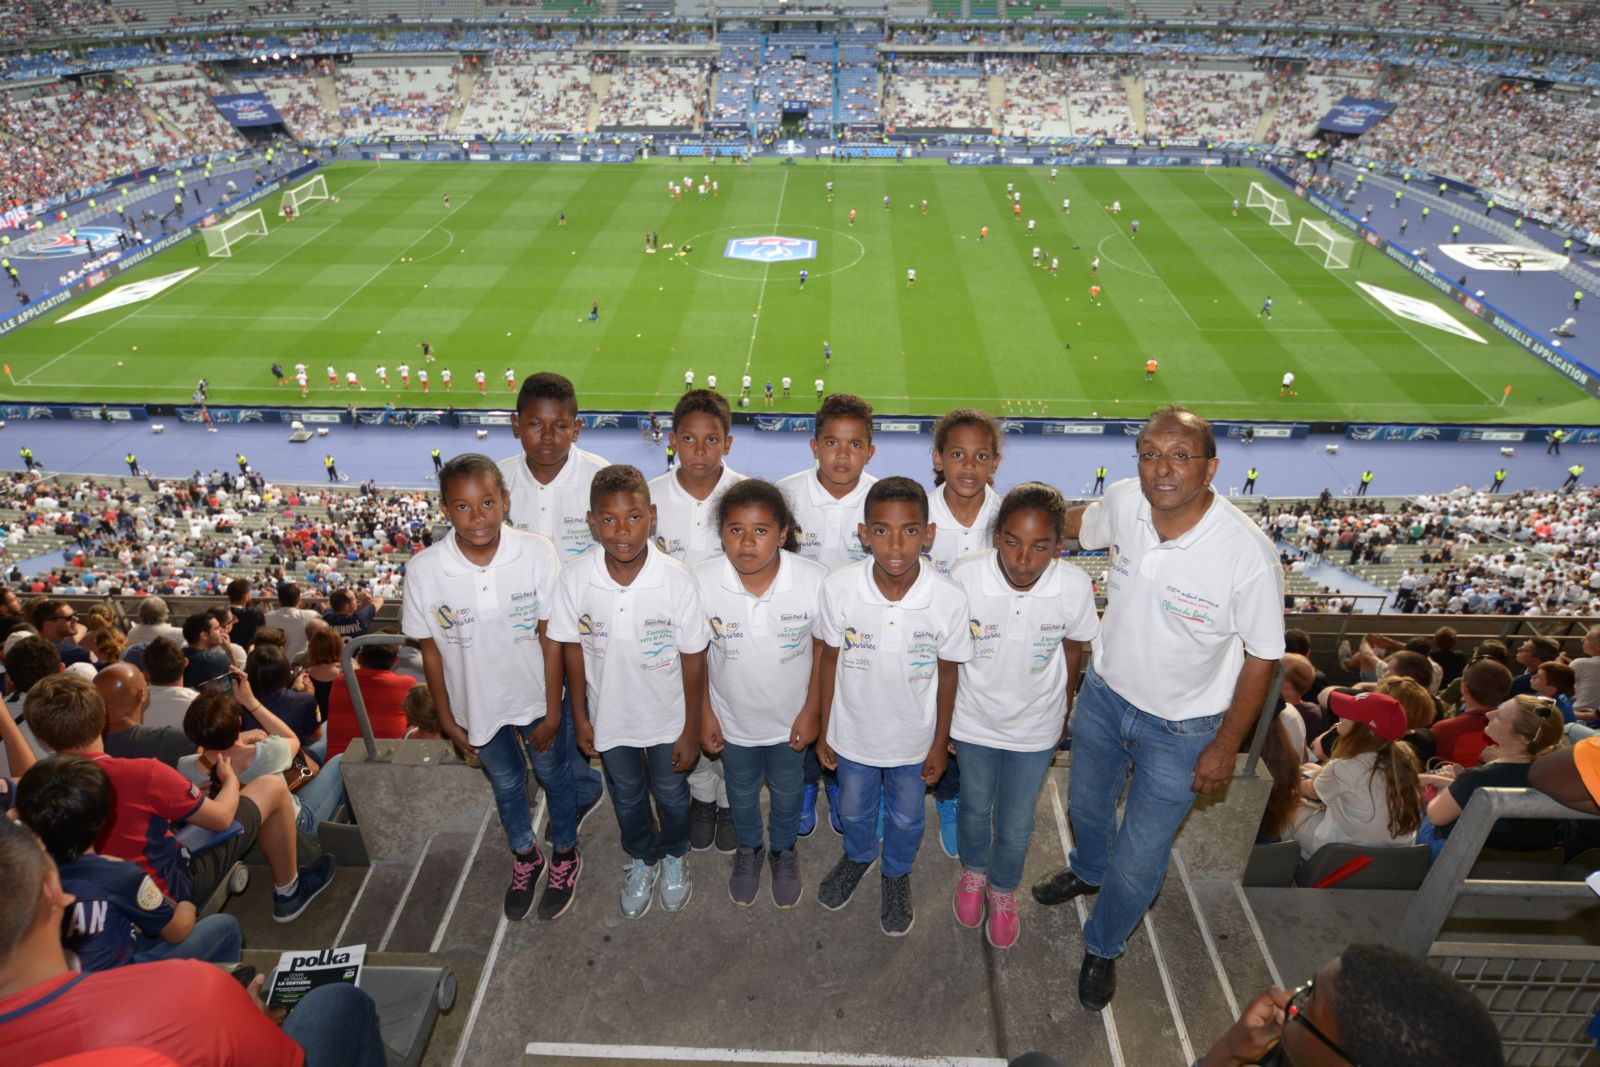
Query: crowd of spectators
[522, 94]
[1224, 105]
[926, 95]
[669, 92]
[375, 101]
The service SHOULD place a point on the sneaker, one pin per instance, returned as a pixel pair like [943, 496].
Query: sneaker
[726, 837]
[808, 809]
[638, 887]
[832, 789]
[947, 826]
[586, 810]
[745, 882]
[702, 824]
[312, 880]
[562, 886]
[969, 899]
[675, 883]
[895, 917]
[786, 883]
[1003, 927]
[524, 874]
[840, 884]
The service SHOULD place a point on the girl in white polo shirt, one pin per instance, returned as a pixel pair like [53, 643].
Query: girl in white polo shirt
[1030, 616]
[479, 601]
[762, 600]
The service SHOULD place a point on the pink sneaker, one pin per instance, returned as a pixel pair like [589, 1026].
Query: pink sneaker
[969, 899]
[1003, 927]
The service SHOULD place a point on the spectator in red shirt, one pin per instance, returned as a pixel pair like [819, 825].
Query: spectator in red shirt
[1485, 685]
[382, 690]
[69, 716]
[203, 1018]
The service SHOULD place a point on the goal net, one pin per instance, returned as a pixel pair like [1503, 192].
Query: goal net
[1276, 207]
[1335, 249]
[221, 238]
[300, 195]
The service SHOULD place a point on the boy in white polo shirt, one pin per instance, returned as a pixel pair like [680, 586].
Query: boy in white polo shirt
[549, 487]
[894, 633]
[827, 499]
[636, 636]
[478, 601]
[686, 529]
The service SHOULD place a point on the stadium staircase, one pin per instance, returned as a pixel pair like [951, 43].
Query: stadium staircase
[1133, 85]
[997, 100]
[465, 80]
[599, 89]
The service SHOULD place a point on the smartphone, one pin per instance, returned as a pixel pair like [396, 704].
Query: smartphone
[219, 684]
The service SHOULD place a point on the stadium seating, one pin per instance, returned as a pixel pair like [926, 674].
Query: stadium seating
[533, 93]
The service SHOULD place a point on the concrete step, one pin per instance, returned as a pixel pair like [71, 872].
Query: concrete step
[317, 927]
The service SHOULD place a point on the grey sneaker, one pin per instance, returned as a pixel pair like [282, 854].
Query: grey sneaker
[841, 882]
[745, 882]
[702, 824]
[675, 883]
[638, 886]
[896, 917]
[786, 884]
[726, 838]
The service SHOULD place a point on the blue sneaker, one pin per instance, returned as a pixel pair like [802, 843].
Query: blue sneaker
[832, 789]
[675, 883]
[638, 887]
[311, 881]
[808, 810]
[947, 826]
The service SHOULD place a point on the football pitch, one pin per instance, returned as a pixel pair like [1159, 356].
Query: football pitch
[495, 282]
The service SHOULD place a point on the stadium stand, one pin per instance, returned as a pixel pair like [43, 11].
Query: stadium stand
[375, 101]
[527, 94]
[1222, 105]
[937, 96]
[655, 93]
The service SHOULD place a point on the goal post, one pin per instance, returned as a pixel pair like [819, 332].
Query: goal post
[1335, 248]
[1276, 207]
[301, 195]
[221, 238]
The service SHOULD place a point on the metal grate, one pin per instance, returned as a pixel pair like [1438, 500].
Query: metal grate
[1542, 1007]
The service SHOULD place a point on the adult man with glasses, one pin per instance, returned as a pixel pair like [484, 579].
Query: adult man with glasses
[1195, 589]
[58, 623]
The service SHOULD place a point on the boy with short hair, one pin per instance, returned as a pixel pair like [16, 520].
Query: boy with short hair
[827, 504]
[636, 635]
[686, 529]
[894, 633]
[119, 914]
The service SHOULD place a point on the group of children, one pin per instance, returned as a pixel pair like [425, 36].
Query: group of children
[705, 634]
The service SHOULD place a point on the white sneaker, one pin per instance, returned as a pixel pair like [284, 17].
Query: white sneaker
[675, 883]
[638, 887]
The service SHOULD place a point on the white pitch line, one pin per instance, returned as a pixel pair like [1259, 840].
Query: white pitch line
[1083, 920]
[750, 352]
[336, 308]
[1434, 351]
[461, 882]
[693, 1054]
[1205, 933]
[1240, 241]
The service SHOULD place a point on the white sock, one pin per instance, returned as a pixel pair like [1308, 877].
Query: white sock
[287, 890]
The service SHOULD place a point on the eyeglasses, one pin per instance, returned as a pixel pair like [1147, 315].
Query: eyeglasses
[1294, 1013]
[69, 617]
[1180, 459]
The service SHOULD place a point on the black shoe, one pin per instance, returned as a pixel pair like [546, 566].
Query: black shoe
[525, 871]
[586, 810]
[1061, 887]
[1097, 981]
[840, 884]
[702, 824]
[726, 837]
[896, 916]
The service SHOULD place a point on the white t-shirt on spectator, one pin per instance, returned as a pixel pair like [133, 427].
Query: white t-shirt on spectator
[1586, 672]
[14, 709]
[951, 540]
[760, 656]
[1181, 614]
[167, 704]
[558, 511]
[1013, 692]
[686, 528]
[292, 621]
[885, 696]
[633, 637]
[485, 623]
[829, 526]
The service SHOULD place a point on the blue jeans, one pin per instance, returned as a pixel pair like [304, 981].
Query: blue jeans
[949, 786]
[505, 760]
[994, 815]
[1128, 862]
[901, 789]
[585, 779]
[337, 1026]
[633, 775]
[782, 768]
[214, 939]
[321, 797]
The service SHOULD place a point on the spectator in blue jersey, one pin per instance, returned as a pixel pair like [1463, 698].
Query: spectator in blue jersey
[118, 914]
[350, 612]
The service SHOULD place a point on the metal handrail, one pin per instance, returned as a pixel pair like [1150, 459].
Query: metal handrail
[347, 667]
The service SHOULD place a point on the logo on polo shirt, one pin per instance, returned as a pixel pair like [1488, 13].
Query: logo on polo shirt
[450, 618]
[1120, 563]
[924, 653]
[1190, 607]
[858, 641]
[985, 638]
[589, 626]
[715, 622]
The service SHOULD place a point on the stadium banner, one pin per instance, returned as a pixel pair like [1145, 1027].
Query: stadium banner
[1498, 257]
[1495, 435]
[75, 412]
[1354, 115]
[247, 110]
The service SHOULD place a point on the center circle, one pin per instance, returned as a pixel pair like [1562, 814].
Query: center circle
[758, 231]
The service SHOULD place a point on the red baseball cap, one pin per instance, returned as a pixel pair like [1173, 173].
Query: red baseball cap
[1379, 711]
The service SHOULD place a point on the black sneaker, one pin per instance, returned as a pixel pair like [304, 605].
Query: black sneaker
[311, 881]
[586, 810]
[702, 824]
[1060, 887]
[525, 871]
[560, 890]
[896, 916]
[840, 883]
[726, 838]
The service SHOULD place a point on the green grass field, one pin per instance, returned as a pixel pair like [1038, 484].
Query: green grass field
[493, 282]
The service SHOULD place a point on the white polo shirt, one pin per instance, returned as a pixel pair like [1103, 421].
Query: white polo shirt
[485, 622]
[760, 657]
[1013, 692]
[829, 526]
[560, 510]
[686, 528]
[885, 696]
[1182, 614]
[951, 540]
[632, 636]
